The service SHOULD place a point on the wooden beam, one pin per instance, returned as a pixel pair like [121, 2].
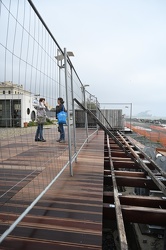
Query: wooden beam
[119, 216]
[136, 200]
[144, 215]
[131, 182]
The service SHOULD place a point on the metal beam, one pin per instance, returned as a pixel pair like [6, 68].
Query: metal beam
[125, 173]
[119, 216]
[160, 185]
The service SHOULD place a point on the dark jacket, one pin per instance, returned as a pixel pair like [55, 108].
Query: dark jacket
[59, 108]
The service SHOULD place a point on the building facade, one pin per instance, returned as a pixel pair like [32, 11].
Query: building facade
[16, 105]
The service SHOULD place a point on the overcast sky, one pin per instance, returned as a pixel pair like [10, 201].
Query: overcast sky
[119, 47]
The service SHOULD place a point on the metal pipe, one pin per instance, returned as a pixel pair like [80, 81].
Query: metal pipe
[158, 183]
[59, 82]
[86, 116]
[68, 114]
[73, 111]
[130, 114]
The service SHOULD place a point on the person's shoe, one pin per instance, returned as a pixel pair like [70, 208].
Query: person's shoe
[37, 139]
[62, 141]
[58, 140]
[43, 140]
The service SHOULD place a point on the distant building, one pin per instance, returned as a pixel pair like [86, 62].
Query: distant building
[113, 117]
[16, 105]
[108, 117]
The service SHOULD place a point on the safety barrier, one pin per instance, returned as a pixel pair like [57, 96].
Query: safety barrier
[34, 66]
[153, 133]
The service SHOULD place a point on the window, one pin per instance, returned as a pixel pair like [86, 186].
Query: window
[3, 91]
[28, 111]
[33, 116]
[9, 92]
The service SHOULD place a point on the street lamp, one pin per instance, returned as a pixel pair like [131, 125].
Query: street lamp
[86, 85]
[60, 58]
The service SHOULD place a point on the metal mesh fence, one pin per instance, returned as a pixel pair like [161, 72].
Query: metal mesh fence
[29, 70]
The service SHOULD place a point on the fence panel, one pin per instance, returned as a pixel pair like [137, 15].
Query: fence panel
[29, 71]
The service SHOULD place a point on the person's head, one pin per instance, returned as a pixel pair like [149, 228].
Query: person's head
[42, 100]
[60, 100]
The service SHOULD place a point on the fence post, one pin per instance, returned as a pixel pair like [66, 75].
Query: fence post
[68, 114]
[73, 111]
[86, 115]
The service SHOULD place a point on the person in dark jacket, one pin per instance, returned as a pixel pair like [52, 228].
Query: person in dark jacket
[60, 107]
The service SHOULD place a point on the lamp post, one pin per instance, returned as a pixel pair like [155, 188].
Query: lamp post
[130, 115]
[130, 112]
[96, 107]
[85, 105]
[60, 58]
[63, 55]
